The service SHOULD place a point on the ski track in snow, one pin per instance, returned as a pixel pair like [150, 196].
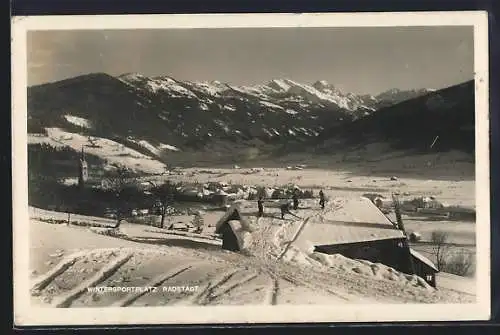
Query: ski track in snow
[133, 296]
[106, 272]
[209, 295]
[237, 284]
[43, 281]
[238, 272]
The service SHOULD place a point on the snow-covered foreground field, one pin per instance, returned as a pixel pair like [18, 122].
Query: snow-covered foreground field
[67, 260]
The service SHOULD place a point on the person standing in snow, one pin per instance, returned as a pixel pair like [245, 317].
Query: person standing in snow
[285, 209]
[322, 199]
[295, 199]
[260, 205]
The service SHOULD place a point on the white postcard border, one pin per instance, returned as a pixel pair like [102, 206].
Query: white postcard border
[26, 315]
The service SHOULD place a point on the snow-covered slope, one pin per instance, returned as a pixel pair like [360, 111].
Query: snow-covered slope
[112, 152]
[135, 258]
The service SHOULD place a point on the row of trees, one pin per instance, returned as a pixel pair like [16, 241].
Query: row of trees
[125, 186]
[120, 190]
[58, 161]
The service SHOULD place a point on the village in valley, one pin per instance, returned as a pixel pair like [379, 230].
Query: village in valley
[264, 192]
[305, 226]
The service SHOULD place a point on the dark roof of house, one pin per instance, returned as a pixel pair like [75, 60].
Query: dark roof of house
[423, 259]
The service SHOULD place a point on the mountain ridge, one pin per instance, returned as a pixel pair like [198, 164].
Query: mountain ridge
[440, 120]
[151, 114]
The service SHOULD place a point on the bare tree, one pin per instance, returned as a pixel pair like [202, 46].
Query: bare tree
[122, 183]
[164, 194]
[460, 263]
[439, 239]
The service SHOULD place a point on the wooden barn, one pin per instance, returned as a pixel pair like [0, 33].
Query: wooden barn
[352, 227]
[359, 230]
[424, 268]
[232, 226]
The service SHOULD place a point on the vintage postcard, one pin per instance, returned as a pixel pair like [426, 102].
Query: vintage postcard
[177, 169]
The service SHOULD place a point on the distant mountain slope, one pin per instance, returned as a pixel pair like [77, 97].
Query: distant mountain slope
[167, 110]
[445, 117]
[167, 119]
[394, 96]
[95, 104]
[183, 114]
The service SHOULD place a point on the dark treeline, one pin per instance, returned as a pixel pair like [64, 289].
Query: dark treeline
[46, 192]
[47, 160]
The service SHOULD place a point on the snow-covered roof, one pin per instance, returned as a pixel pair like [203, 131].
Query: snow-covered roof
[344, 220]
[423, 259]
[235, 208]
[348, 220]
[243, 236]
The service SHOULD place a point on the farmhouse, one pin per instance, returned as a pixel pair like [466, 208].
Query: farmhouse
[353, 227]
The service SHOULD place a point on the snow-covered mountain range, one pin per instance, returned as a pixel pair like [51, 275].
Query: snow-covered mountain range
[277, 94]
[133, 109]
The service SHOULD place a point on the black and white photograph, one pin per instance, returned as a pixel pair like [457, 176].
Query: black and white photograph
[239, 168]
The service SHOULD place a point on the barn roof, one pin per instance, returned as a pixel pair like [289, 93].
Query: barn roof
[344, 220]
[248, 211]
[423, 259]
[348, 220]
[234, 209]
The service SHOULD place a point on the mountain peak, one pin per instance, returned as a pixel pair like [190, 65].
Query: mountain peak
[325, 87]
[321, 84]
[279, 84]
[392, 91]
[130, 75]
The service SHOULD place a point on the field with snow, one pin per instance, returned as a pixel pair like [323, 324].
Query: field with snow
[447, 178]
[67, 259]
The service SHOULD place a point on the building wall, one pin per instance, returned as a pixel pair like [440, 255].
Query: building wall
[229, 239]
[391, 252]
[424, 271]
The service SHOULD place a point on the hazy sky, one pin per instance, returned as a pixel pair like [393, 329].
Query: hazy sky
[359, 60]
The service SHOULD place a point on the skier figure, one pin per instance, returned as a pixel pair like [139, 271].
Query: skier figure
[285, 209]
[295, 199]
[260, 204]
[322, 199]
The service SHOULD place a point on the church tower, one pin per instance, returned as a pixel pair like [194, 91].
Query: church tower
[83, 173]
